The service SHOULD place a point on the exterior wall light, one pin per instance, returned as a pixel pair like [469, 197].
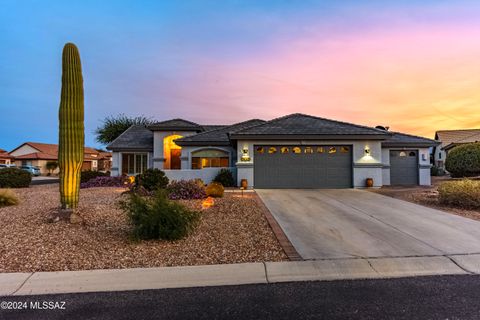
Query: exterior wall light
[245, 156]
[367, 151]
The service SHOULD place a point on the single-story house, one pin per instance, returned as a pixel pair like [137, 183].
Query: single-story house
[448, 139]
[5, 157]
[294, 151]
[39, 154]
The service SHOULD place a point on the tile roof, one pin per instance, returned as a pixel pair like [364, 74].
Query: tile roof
[457, 136]
[401, 139]
[175, 124]
[301, 124]
[218, 136]
[47, 151]
[37, 156]
[137, 137]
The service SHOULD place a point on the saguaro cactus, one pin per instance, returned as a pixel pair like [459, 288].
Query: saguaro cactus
[71, 133]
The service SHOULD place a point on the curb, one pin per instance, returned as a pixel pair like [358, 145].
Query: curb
[39, 283]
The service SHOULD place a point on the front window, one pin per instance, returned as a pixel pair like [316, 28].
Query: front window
[209, 159]
[134, 163]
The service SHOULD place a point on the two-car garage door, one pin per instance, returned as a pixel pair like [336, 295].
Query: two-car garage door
[321, 166]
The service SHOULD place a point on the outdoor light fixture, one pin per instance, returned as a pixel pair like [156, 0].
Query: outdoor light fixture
[367, 151]
[245, 157]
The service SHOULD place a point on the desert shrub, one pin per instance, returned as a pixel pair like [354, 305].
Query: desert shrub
[200, 182]
[436, 171]
[14, 178]
[225, 178]
[105, 182]
[88, 175]
[151, 180]
[462, 193]
[8, 198]
[159, 218]
[185, 189]
[215, 190]
[464, 160]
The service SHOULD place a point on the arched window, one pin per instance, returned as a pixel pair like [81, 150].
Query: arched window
[209, 158]
[285, 150]
[272, 150]
[296, 150]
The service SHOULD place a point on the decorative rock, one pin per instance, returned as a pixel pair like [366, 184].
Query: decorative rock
[75, 219]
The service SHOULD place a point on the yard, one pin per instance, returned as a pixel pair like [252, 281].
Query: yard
[234, 230]
[427, 196]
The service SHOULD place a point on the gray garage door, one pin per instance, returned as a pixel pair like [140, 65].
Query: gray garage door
[303, 167]
[403, 167]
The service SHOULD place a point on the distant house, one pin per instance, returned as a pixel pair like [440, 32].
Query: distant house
[5, 157]
[39, 154]
[449, 139]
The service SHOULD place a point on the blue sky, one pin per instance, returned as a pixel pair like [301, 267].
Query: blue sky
[218, 62]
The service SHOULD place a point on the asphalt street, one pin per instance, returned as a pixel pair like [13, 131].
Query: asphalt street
[438, 297]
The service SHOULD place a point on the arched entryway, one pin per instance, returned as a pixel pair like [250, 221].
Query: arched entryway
[172, 152]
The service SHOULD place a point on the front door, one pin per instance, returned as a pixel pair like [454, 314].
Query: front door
[175, 162]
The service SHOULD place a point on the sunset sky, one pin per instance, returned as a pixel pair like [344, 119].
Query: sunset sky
[410, 65]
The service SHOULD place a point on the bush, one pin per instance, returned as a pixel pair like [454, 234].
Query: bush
[215, 190]
[225, 178]
[152, 180]
[463, 193]
[464, 160]
[159, 218]
[8, 198]
[88, 175]
[436, 171]
[105, 182]
[14, 178]
[185, 189]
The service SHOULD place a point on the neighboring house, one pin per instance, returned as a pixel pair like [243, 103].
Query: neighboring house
[294, 151]
[449, 139]
[5, 157]
[39, 154]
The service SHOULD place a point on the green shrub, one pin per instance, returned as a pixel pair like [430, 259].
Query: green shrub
[8, 198]
[159, 218]
[436, 171]
[463, 193]
[199, 182]
[151, 180]
[215, 190]
[88, 175]
[14, 178]
[464, 160]
[225, 177]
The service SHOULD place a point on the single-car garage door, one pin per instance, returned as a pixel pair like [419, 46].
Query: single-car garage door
[299, 167]
[403, 167]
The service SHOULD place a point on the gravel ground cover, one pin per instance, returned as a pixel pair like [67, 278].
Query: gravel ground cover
[233, 231]
[427, 196]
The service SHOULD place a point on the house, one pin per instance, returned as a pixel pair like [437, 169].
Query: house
[448, 139]
[294, 151]
[39, 154]
[5, 157]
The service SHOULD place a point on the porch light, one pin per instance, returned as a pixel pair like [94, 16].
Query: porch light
[367, 151]
[245, 156]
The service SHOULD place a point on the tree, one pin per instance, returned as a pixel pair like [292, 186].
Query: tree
[114, 126]
[51, 166]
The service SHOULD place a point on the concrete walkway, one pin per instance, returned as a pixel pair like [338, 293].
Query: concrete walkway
[39, 283]
[347, 223]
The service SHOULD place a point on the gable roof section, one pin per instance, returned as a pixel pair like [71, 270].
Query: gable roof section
[137, 137]
[398, 139]
[47, 150]
[175, 125]
[37, 156]
[301, 126]
[447, 137]
[218, 136]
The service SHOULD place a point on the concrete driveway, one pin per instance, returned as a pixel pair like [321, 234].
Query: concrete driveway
[346, 223]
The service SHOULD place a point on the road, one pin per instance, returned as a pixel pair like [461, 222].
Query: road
[439, 297]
